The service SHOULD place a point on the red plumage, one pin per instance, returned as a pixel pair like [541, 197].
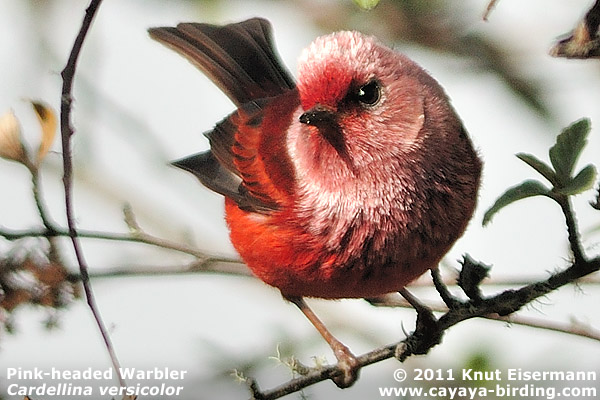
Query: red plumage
[351, 184]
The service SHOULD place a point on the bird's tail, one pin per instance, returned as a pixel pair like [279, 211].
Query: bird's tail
[240, 58]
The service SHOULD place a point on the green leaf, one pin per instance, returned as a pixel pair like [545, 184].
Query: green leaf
[583, 181]
[526, 189]
[540, 166]
[568, 147]
[367, 4]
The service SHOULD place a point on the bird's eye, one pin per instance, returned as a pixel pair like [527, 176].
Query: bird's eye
[369, 93]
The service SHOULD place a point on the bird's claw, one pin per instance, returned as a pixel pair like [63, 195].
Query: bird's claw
[349, 365]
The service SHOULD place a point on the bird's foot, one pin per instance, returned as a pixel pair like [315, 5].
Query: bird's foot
[349, 365]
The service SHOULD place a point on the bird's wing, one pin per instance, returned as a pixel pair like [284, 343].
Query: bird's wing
[239, 58]
[246, 162]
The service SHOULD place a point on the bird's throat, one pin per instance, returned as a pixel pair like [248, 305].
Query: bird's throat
[332, 133]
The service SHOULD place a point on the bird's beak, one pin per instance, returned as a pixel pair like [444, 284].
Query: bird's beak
[325, 119]
[318, 116]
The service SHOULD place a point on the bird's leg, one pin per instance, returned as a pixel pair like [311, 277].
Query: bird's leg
[346, 360]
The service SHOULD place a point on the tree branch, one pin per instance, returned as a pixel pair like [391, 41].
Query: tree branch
[495, 307]
[573, 328]
[489, 8]
[136, 237]
[67, 131]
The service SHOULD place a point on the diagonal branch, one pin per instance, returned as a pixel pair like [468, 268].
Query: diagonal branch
[496, 307]
[67, 131]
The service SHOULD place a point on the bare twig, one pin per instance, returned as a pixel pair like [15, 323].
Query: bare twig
[572, 328]
[39, 200]
[49, 224]
[209, 265]
[136, 237]
[442, 289]
[67, 131]
[414, 302]
[489, 9]
[450, 280]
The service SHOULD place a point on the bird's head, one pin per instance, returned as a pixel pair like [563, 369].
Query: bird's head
[360, 98]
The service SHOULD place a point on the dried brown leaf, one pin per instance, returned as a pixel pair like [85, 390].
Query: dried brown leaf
[11, 144]
[48, 122]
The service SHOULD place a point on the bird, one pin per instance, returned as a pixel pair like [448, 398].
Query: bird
[349, 182]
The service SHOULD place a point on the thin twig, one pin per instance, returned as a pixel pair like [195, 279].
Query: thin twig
[208, 265]
[413, 301]
[573, 231]
[507, 281]
[573, 328]
[137, 237]
[67, 131]
[489, 8]
[442, 289]
[49, 224]
[36, 188]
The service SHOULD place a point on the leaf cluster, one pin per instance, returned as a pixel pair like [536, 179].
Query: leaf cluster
[560, 174]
